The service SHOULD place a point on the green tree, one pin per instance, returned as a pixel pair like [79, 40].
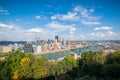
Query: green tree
[25, 69]
[5, 71]
[93, 57]
[12, 62]
[113, 58]
[93, 69]
[91, 63]
[39, 68]
[70, 60]
[112, 70]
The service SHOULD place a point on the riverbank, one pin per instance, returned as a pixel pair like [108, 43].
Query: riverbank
[61, 54]
[50, 52]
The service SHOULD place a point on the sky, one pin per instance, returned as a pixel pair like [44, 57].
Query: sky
[70, 19]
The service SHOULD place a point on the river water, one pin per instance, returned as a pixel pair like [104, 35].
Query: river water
[59, 55]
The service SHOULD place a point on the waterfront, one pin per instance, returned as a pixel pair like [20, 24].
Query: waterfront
[78, 51]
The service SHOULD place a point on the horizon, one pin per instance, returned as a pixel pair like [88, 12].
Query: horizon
[74, 20]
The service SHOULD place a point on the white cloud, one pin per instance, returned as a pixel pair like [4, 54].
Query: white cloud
[54, 17]
[6, 26]
[103, 28]
[85, 15]
[103, 35]
[90, 22]
[36, 30]
[70, 16]
[49, 31]
[37, 17]
[110, 33]
[56, 25]
[98, 34]
[13, 34]
[79, 14]
[4, 11]
[82, 36]
[72, 30]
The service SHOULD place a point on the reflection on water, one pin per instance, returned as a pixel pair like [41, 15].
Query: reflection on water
[57, 55]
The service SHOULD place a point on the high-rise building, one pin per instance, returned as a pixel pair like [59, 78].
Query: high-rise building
[40, 42]
[63, 42]
[38, 49]
[28, 48]
[57, 38]
[15, 46]
[49, 41]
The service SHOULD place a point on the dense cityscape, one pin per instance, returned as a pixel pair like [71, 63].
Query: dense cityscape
[42, 46]
[59, 39]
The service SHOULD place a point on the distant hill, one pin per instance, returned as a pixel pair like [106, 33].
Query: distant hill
[11, 42]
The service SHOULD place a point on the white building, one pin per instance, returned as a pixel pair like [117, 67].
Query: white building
[38, 49]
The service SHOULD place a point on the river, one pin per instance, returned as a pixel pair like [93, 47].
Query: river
[58, 55]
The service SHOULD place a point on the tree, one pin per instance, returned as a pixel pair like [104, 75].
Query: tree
[111, 70]
[113, 58]
[93, 57]
[70, 60]
[5, 71]
[25, 68]
[39, 68]
[16, 75]
[93, 69]
[91, 63]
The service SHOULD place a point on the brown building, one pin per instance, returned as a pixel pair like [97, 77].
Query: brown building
[6, 49]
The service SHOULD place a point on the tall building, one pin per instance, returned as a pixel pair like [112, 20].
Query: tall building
[15, 46]
[38, 49]
[28, 48]
[57, 38]
[37, 42]
[40, 42]
[49, 41]
[63, 42]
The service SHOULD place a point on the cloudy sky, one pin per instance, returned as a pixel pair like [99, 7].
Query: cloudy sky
[71, 19]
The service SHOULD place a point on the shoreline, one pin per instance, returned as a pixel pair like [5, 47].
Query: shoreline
[52, 52]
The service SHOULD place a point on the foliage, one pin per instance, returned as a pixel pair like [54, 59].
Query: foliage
[92, 65]
[5, 71]
[16, 75]
[93, 69]
[71, 61]
[39, 68]
[93, 57]
[114, 57]
[111, 70]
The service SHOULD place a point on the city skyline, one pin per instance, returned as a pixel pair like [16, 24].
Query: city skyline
[73, 19]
